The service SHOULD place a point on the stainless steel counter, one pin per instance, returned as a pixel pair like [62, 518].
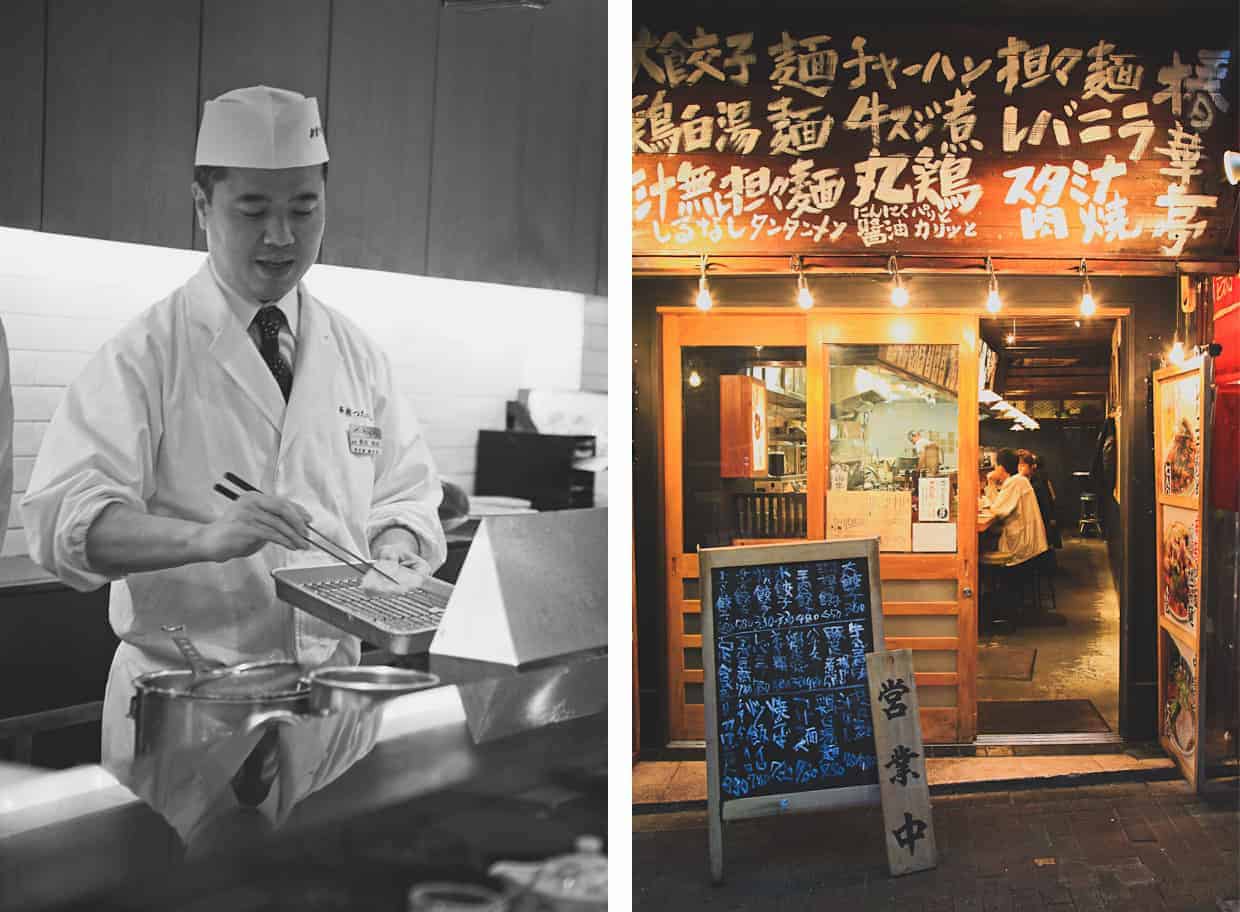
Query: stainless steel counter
[497, 763]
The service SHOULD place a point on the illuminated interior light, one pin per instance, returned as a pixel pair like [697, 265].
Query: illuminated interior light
[1088, 307]
[1176, 355]
[805, 300]
[993, 304]
[899, 294]
[901, 330]
[704, 300]
[695, 379]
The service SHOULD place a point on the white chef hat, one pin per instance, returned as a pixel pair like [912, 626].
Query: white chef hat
[261, 127]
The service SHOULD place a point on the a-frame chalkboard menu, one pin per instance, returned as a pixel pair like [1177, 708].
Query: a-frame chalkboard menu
[785, 632]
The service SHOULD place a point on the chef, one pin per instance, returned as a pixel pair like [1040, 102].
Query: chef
[240, 370]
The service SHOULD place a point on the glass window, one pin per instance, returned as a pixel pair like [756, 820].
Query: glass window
[745, 447]
[893, 447]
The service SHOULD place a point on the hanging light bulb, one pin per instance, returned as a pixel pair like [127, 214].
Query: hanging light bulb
[695, 379]
[1176, 354]
[1011, 337]
[1087, 292]
[704, 300]
[992, 299]
[899, 294]
[805, 300]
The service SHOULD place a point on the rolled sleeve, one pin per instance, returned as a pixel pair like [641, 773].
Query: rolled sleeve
[98, 450]
[407, 490]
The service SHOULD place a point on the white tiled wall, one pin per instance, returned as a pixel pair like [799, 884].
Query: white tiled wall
[460, 349]
[594, 351]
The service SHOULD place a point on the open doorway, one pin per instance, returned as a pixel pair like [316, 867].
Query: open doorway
[1049, 622]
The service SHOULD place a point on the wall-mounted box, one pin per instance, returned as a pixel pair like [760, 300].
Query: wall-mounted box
[742, 427]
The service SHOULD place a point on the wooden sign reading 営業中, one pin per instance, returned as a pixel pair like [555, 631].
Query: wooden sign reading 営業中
[785, 632]
[777, 132]
[908, 826]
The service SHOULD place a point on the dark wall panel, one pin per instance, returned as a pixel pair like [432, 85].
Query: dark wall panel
[559, 209]
[482, 79]
[519, 146]
[469, 145]
[21, 113]
[382, 100]
[1152, 323]
[121, 119]
[280, 43]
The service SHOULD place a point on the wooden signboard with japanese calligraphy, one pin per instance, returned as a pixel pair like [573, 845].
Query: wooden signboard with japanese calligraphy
[785, 631]
[1180, 431]
[799, 133]
[908, 824]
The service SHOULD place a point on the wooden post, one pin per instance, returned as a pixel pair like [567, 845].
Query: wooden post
[908, 825]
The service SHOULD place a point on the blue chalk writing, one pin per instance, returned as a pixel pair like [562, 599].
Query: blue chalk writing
[793, 709]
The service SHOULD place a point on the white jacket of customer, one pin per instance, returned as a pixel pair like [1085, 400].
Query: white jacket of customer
[1022, 536]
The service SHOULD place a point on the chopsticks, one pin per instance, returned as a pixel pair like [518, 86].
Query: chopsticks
[355, 561]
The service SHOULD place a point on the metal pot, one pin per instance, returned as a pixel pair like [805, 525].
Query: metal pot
[183, 709]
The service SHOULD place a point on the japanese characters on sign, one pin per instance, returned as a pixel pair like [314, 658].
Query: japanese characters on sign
[793, 704]
[831, 138]
[905, 792]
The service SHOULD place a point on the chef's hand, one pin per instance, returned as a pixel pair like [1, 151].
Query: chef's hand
[395, 552]
[250, 522]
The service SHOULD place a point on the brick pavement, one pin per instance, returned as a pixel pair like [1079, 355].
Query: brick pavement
[1127, 846]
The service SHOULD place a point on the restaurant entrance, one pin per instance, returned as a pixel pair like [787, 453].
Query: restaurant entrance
[781, 427]
[1049, 627]
[835, 422]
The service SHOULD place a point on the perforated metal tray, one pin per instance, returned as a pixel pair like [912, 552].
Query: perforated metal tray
[402, 624]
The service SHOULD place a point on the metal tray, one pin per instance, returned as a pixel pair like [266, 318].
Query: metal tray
[403, 624]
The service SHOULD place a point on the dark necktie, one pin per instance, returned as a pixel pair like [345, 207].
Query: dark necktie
[269, 320]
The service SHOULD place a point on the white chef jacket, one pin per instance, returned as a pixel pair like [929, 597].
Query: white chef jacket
[157, 417]
[1022, 535]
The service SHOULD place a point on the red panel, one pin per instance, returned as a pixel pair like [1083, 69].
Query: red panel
[1227, 327]
[1225, 468]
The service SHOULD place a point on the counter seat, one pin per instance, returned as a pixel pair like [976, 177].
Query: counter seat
[498, 763]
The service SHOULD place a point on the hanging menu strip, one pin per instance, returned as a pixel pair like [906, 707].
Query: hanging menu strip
[793, 706]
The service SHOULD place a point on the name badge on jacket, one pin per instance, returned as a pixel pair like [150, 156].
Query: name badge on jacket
[365, 440]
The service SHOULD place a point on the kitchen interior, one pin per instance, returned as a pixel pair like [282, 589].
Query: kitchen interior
[492, 308]
[893, 424]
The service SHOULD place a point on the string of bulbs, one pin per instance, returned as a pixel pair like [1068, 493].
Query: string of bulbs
[899, 293]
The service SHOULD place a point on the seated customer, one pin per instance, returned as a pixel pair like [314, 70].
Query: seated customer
[1015, 506]
[1031, 468]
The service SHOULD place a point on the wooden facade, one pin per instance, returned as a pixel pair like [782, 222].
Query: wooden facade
[793, 136]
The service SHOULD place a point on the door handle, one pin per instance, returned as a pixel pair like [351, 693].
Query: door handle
[968, 591]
